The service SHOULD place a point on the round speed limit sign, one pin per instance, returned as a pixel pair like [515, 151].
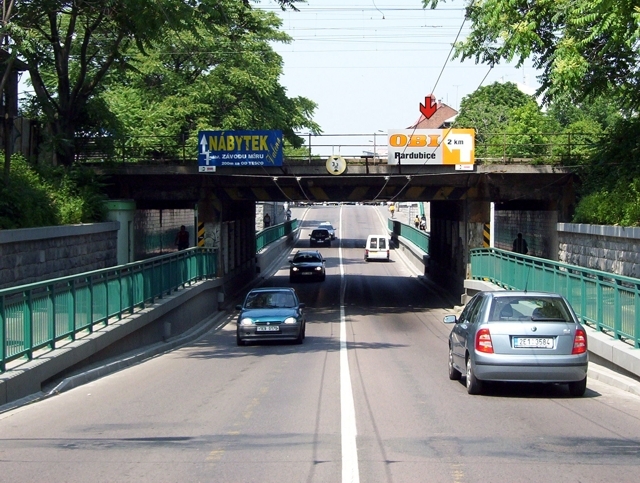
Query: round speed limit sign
[336, 164]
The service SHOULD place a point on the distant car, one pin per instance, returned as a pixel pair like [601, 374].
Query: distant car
[377, 248]
[320, 236]
[328, 226]
[307, 264]
[271, 313]
[518, 337]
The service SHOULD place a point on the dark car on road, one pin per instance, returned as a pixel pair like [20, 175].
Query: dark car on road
[515, 336]
[270, 313]
[307, 264]
[320, 236]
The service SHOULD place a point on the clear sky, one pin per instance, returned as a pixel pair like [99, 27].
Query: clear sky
[368, 64]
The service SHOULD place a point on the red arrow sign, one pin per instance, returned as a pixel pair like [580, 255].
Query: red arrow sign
[429, 107]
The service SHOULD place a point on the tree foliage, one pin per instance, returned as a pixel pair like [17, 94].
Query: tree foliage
[216, 79]
[71, 46]
[507, 121]
[58, 196]
[583, 48]
[488, 108]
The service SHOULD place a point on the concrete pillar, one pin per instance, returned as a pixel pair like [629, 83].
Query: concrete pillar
[123, 211]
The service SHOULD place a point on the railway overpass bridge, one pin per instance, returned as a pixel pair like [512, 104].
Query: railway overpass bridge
[463, 204]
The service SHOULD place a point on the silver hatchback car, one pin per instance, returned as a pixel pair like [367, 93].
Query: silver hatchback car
[518, 337]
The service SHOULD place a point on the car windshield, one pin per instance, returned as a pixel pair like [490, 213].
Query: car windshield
[529, 309]
[319, 233]
[262, 300]
[306, 258]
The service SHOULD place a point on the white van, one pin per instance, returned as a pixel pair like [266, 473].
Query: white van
[377, 248]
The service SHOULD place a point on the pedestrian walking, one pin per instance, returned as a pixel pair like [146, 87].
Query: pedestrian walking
[520, 245]
[182, 238]
[416, 222]
[266, 220]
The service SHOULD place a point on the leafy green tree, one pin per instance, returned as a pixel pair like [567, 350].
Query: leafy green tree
[489, 110]
[55, 196]
[71, 46]
[215, 80]
[531, 134]
[583, 48]
[49, 196]
[24, 198]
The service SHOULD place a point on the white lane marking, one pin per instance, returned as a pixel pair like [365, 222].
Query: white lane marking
[350, 472]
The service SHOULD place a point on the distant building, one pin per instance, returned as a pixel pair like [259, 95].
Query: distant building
[442, 119]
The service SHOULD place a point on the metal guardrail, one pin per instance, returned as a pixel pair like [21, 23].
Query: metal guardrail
[550, 148]
[36, 316]
[273, 233]
[418, 237]
[608, 303]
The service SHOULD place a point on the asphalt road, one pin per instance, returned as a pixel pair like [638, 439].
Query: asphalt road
[365, 398]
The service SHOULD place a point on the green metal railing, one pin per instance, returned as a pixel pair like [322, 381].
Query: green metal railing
[273, 233]
[36, 316]
[608, 303]
[418, 237]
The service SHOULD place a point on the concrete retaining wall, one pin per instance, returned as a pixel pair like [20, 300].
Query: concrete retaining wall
[31, 255]
[613, 249]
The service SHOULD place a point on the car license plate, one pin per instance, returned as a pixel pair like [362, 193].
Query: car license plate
[267, 328]
[533, 342]
[306, 273]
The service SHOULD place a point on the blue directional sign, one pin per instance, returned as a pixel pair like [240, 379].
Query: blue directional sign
[239, 149]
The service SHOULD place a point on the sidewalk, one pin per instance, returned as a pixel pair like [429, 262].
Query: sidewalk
[403, 214]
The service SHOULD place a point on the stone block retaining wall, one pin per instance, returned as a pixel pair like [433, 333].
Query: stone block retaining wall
[612, 249]
[31, 255]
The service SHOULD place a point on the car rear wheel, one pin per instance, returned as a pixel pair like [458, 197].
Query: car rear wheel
[577, 389]
[454, 374]
[474, 386]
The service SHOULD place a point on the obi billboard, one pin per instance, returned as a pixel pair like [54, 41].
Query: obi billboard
[432, 146]
[239, 149]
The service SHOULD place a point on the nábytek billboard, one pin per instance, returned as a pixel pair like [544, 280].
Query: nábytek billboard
[431, 146]
[239, 149]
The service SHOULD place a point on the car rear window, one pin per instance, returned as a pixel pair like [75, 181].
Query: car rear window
[306, 257]
[539, 309]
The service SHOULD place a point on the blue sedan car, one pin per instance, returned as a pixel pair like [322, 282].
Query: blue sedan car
[271, 313]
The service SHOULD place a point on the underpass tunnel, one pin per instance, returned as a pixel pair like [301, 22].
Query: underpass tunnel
[484, 208]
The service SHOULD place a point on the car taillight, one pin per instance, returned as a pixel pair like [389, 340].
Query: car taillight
[483, 341]
[579, 342]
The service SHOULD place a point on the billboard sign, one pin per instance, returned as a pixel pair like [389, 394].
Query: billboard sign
[239, 149]
[432, 146]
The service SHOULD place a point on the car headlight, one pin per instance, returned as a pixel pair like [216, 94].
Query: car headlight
[290, 320]
[246, 321]
[295, 269]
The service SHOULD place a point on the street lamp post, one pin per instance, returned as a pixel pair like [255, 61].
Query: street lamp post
[375, 150]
